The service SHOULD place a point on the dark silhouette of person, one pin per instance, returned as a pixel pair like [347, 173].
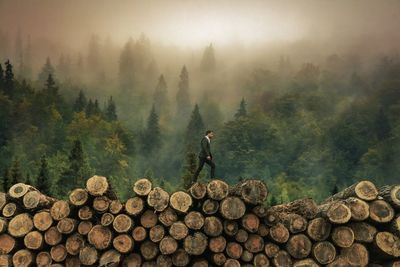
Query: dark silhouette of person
[205, 155]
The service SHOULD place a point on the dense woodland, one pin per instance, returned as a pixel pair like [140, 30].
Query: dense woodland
[307, 128]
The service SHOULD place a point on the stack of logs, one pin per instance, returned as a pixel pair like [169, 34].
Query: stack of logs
[209, 225]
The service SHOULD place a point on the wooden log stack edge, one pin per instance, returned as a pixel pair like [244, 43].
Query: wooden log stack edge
[210, 224]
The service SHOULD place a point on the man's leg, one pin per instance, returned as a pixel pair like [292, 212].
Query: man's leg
[212, 165]
[199, 168]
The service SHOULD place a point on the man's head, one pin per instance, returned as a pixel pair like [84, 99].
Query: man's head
[210, 134]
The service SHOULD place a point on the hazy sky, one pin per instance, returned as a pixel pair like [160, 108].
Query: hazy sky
[196, 23]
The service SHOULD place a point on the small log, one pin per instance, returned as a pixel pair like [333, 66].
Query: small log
[252, 191]
[279, 233]
[234, 250]
[97, 185]
[305, 263]
[254, 243]
[230, 227]
[132, 260]
[88, 255]
[180, 258]
[110, 258]
[43, 259]
[156, 233]
[194, 220]
[123, 243]
[380, 211]
[324, 252]
[232, 208]
[67, 225]
[142, 187]
[122, 223]
[20, 225]
[241, 236]
[391, 194]
[74, 244]
[23, 258]
[217, 189]
[336, 212]
[282, 259]
[356, 255]
[60, 210]
[139, 233]
[100, 237]
[158, 199]
[364, 190]
[198, 190]
[115, 207]
[84, 227]
[42, 220]
[260, 260]
[10, 210]
[386, 245]
[7, 244]
[271, 249]
[168, 217]
[212, 226]
[180, 201]
[34, 240]
[305, 207]
[34, 199]
[342, 236]
[217, 244]
[134, 206]
[319, 229]
[101, 204]
[260, 211]
[72, 261]
[78, 197]
[195, 244]
[299, 246]
[107, 219]
[219, 259]
[85, 213]
[395, 225]
[232, 263]
[359, 208]
[247, 256]
[250, 222]
[148, 219]
[52, 236]
[164, 260]
[149, 250]
[168, 245]
[210, 206]
[363, 232]
[178, 230]
[58, 253]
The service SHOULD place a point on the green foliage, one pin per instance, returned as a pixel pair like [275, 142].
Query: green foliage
[43, 178]
[151, 137]
[182, 96]
[189, 169]
[194, 130]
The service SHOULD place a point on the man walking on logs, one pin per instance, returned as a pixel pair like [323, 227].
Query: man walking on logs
[205, 156]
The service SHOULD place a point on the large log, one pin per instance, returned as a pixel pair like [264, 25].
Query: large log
[356, 255]
[78, 197]
[52, 236]
[363, 232]
[178, 230]
[42, 220]
[123, 243]
[148, 250]
[34, 199]
[299, 246]
[336, 212]
[343, 236]
[232, 208]
[122, 223]
[97, 185]
[391, 194]
[195, 244]
[168, 245]
[359, 208]
[18, 191]
[234, 250]
[217, 244]
[279, 233]
[217, 189]
[250, 222]
[74, 244]
[304, 207]
[100, 237]
[282, 259]
[101, 204]
[324, 252]
[67, 225]
[319, 229]
[134, 206]
[60, 210]
[23, 258]
[387, 245]
[20, 225]
[364, 190]
[180, 258]
[88, 255]
[43, 259]
[198, 190]
[380, 211]
[158, 199]
[156, 233]
[254, 243]
[194, 220]
[139, 233]
[142, 187]
[251, 191]
[34, 240]
[148, 219]
[7, 244]
[110, 258]
[180, 201]
[58, 253]
[168, 217]
[212, 226]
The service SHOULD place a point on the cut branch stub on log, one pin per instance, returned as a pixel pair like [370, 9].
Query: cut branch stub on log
[305, 207]
[217, 189]
[142, 187]
[251, 191]
[391, 194]
[158, 199]
[232, 208]
[180, 201]
[364, 190]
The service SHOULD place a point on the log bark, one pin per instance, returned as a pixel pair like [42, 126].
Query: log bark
[3, 200]
[343, 236]
[3, 225]
[72, 261]
[217, 244]
[42, 220]
[359, 208]
[319, 229]
[84, 227]
[299, 246]
[168, 217]
[78, 197]
[123, 243]
[142, 187]
[250, 222]
[178, 230]
[52, 236]
[58, 253]
[148, 219]
[251, 191]
[199, 263]
[88, 255]
[380, 211]
[60, 210]
[20, 225]
[195, 244]
[217, 189]
[336, 212]
[391, 194]
[364, 190]
[74, 244]
[122, 223]
[234, 250]
[180, 258]
[100, 237]
[254, 243]
[279, 233]
[212, 226]
[304, 207]
[324, 252]
[198, 190]
[158, 199]
[339, 261]
[134, 206]
[210, 206]
[180, 201]
[148, 250]
[7, 244]
[156, 233]
[34, 240]
[194, 220]
[168, 245]
[23, 258]
[356, 255]
[282, 259]
[139, 233]
[5, 260]
[43, 259]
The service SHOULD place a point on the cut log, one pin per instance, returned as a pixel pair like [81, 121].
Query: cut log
[34, 240]
[164, 260]
[67, 225]
[194, 220]
[395, 225]
[232, 208]
[58, 253]
[180, 201]
[260, 211]
[7, 244]
[210, 206]
[299, 246]
[212, 226]
[148, 219]
[391, 194]
[364, 190]
[306, 263]
[115, 207]
[232, 263]
[156, 233]
[279, 233]
[132, 260]
[254, 243]
[22, 258]
[72, 261]
[251, 191]
[324, 252]
[42, 220]
[97, 185]
[219, 259]
[271, 249]
[84, 227]
[101, 204]
[319, 229]
[294, 223]
[180, 258]
[234, 250]
[60, 210]
[20, 225]
[247, 256]
[380, 211]
[195, 244]
[110, 258]
[88, 255]
[363, 232]
[139, 233]
[123, 243]
[356, 255]
[34, 199]
[250, 222]
[260, 260]
[343, 236]
[158, 199]
[230, 227]
[387, 245]
[134, 206]
[304, 207]
[336, 212]
[142, 187]
[52, 236]
[359, 208]
[74, 244]
[168, 245]
[78, 197]
[282, 259]
[10, 210]
[178, 230]
[43, 259]
[122, 223]
[339, 261]
[5, 260]
[217, 244]
[217, 189]
[241, 236]
[3, 200]
[85, 213]
[198, 263]
[107, 219]
[100, 237]
[168, 217]
[198, 190]
[149, 250]
[19, 190]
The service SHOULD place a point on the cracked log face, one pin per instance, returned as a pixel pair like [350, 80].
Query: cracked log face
[211, 224]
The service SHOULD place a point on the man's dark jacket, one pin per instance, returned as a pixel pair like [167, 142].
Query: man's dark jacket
[205, 148]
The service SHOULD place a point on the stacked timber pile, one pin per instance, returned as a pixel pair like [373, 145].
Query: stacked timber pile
[209, 225]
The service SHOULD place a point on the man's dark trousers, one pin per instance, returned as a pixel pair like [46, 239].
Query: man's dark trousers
[203, 160]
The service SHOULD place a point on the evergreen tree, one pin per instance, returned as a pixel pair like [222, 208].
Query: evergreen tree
[182, 96]
[335, 190]
[1, 77]
[6, 180]
[47, 69]
[28, 179]
[9, 80]
[111, 110]
[96, 108]
[90, 108]
[127, 66]
[16, 175]
[43, 179]
[51, 88]
[80, 102]
[161, 96]
[194, 130]
[93, 58]
[382, 126]
[189, 169]
[242, 111]
[151, 139]
[208, 62]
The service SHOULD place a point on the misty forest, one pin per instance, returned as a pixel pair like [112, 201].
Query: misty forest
[308, 116]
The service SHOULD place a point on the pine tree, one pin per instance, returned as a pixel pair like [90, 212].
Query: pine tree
[1, 77]
[80, 102]
[189, 169]
[6, 180]
[194, 130]
[208, 62]
[47, 69]
[96, 108]
[89, 108]
[127, 66]
[111, 110]
[335, 190]
[160, 96]
[16, 175]
[28, 179]
[182, 97]
[151, 139]
[242, 111]
[51, 88]
[9, 79]
[43, 179]
[382, 125]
